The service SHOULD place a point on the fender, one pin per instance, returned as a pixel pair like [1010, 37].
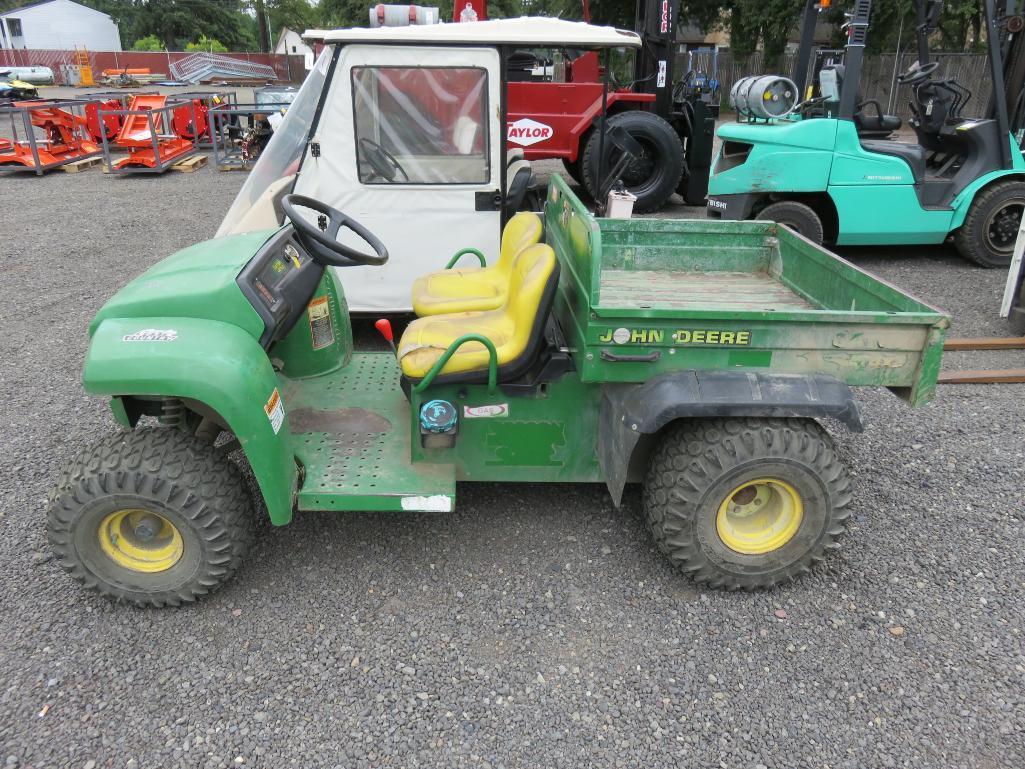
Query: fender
[215, 363]
[628, 412]
[966, 197]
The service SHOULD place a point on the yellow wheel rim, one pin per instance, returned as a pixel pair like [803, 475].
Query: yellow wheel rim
[141, 540]
[759, 516]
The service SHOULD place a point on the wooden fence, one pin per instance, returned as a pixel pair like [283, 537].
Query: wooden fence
[877, 75]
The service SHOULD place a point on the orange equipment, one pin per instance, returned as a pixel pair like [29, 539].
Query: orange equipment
[66, 138]
[149, 143]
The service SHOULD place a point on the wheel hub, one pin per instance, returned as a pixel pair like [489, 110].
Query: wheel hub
[759, 516]
[140, 540]
[1002, 228]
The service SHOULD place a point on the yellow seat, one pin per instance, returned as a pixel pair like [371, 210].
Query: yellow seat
[516, 329]
[470, 289]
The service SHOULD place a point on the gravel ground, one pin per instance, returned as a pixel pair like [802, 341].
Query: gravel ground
[505, 634]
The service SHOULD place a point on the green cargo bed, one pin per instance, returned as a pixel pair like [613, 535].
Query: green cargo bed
[641, 296]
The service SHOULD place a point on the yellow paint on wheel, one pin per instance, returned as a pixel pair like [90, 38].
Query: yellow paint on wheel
[141, 540]
[759, 516]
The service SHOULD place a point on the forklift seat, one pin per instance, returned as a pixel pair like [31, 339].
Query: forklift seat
[879, 124]
[469, 289]
[516, 328]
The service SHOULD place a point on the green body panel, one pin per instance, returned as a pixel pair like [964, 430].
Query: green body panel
[718, 295]
[547, 435]
[196, 282]
[217, 364]
[874, 194]
[303, 356]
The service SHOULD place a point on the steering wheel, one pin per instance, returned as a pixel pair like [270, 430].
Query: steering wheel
[382, 161]
[917, 73]
[322, 243]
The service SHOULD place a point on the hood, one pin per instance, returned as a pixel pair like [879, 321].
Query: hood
[196, 282]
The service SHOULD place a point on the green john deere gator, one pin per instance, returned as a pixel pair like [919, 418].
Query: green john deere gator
[693, 357]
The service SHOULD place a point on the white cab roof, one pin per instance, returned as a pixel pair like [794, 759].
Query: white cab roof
[526, 30]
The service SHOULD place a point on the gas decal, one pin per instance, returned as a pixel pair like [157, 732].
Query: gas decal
[488, 411]
[664, 26]
[526, 132]
[275, 410]
[683, 336]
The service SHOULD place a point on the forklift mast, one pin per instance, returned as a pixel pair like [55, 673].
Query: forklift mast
[653, 68]
[857, 31]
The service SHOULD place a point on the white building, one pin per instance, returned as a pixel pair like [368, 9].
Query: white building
[292, 43]
[58, 25]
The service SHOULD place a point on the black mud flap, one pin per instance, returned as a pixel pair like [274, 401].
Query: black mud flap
[629, 412]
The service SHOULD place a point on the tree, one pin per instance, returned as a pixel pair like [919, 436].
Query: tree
[207, 44]
[148, 43]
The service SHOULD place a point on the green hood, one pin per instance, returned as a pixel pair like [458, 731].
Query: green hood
[196, 282]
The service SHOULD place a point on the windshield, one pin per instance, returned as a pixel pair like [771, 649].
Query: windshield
[285, 149]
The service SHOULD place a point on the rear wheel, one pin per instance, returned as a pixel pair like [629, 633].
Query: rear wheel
[156, 517]
[990, 229]
[799, 217]
[652, 176]
[744, 504]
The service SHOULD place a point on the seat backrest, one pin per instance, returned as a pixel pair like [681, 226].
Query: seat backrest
[522, 230]
[535, 276]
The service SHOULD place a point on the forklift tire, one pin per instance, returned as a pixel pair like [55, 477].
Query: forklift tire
[154, 517]
[573, 168]
[989, 230]
[799, 217]
[746, 504]
[654, 176]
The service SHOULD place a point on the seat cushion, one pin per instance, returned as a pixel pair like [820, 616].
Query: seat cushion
[473, 288]
[426, 339]
[459, 290]
[514, 329]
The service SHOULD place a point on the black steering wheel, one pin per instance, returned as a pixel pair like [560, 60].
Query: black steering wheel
[322, 241]
[917, 73]
[382, 161]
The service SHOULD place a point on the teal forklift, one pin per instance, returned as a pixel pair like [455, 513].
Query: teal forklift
[830, 170]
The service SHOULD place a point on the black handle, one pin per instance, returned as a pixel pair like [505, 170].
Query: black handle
[651, 357]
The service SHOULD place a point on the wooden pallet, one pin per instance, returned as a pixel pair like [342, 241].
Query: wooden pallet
[190, 164]
[247, 167]
[81, 165]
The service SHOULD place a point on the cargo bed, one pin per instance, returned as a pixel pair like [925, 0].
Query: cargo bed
[641, 296]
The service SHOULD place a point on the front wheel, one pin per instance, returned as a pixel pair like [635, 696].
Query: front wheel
[155, 517]
[991, 226]
[798, 217]
[744, 504]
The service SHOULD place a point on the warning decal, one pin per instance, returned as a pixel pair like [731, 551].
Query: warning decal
[275, 410]
[319, 313]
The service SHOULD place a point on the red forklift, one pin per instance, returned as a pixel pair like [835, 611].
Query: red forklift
[556, 99]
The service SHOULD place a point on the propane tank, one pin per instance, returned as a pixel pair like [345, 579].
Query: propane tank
[382, 15]
[764, 96]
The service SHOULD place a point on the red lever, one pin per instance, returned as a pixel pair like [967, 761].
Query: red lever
[384, 326]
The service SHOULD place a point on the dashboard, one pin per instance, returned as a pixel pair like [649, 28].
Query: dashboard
[279, 282]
